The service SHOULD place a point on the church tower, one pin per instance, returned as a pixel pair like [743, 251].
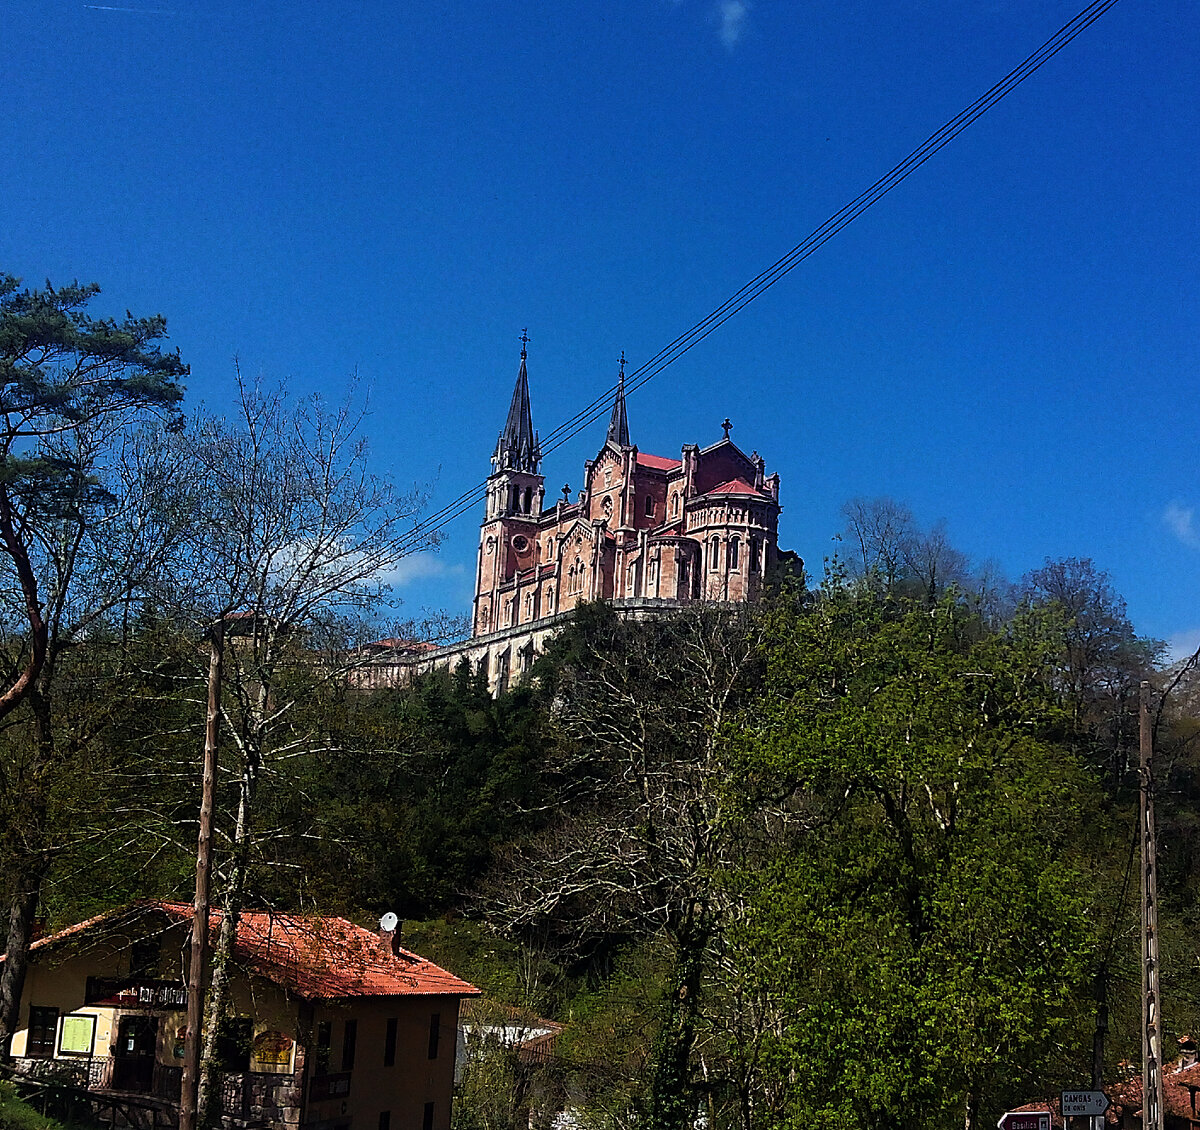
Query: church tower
[515, 489]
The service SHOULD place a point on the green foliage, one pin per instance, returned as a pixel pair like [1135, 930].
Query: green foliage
[59, 364]
[17, 1114]
[929, 931]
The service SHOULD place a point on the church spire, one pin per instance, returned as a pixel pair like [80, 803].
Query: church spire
[517, 448]
[618, 426]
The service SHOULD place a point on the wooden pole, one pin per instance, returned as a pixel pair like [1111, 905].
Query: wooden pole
[189, 1086]
[1152, 1083]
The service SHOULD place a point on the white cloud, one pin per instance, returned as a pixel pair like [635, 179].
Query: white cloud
[1181, 521]
[733, 15]
[418, 566]
[1182, 644]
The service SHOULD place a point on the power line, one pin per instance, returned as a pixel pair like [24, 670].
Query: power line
[816, 239]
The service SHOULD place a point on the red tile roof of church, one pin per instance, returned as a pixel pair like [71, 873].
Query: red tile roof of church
[657, 462]
[735, 486]
[315, 957]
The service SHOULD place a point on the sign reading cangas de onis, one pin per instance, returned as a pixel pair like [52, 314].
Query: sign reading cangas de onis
[1083, 1103]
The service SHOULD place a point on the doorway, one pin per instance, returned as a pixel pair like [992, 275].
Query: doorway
[137, 1042]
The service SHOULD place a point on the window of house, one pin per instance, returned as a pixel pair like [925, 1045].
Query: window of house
[144, 956]
[649, 507]
[389, 1042]
[234, 1040]
[349, 1039]
[675, 505]
[731, 553]
[435, 1034]
[324, 1043]
[43, 1028]
[427, 1119]
[714, 554]
[752, 562]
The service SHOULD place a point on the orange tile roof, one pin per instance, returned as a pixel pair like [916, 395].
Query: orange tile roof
[315, 957]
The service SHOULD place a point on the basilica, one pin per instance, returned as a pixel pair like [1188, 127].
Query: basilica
[646, 532]
[644, 527]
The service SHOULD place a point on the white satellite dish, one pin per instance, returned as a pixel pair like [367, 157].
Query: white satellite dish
[388, 922]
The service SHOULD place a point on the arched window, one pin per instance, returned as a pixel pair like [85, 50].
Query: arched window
[752, 562]
[675, 505]
[528, 500]
[731, 553]
[714, 553]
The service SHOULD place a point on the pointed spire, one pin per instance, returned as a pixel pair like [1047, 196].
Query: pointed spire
[517, 448]
[618, 426]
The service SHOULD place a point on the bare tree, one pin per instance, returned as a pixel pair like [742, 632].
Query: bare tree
[649, 827]
[880, 529]
[293, 542]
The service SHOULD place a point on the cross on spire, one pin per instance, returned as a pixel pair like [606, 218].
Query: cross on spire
[618, 425]
[726, 425]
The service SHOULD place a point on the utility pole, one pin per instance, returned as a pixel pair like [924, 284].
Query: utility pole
[1097, 1121]
[1152, 1083]
[189, 1086]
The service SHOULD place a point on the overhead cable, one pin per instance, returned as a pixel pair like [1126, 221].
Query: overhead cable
[821, 235]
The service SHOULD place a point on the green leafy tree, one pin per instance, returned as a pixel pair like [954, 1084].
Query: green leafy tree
[927, 935]
[83, 525]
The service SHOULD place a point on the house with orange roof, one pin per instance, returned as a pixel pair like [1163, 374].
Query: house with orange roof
[331, 1026]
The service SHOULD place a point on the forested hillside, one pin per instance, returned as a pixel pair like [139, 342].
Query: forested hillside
[857, 855]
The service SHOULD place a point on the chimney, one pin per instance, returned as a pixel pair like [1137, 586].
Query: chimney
[389, 934]
[1188, 1054]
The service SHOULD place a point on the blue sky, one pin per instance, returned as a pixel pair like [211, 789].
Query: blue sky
[1008, 341]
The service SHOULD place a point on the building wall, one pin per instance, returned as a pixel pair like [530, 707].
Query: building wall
[402, 1089]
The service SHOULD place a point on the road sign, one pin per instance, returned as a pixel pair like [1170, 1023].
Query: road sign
[1024, 1120]
[1087, 1103]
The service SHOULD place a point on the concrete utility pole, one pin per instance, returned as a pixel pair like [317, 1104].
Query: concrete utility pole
[1152, 1083]
[189, 1086]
